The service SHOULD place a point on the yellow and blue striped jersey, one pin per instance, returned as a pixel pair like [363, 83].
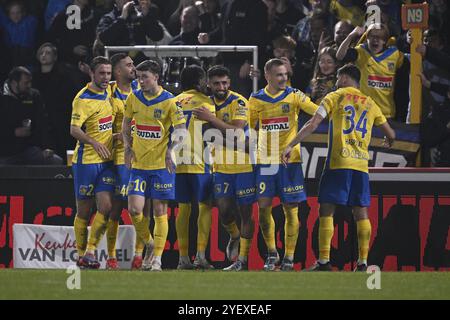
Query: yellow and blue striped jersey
[154, 117]
[118, 99]
[276, 117]
[234, 107]
[92, 112]
[189, 100]
[378, 75]
[352, 115]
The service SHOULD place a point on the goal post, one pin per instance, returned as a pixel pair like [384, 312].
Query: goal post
[189, 51]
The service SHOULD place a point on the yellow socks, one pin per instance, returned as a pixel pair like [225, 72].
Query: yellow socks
[81, 234]
[326, 230]
[112, 229]
[244, 248]
[364, 230]
[267, 226]
[291, 226]
[204, 226]
[232, 230]
[140, 244]
[160, 234]
[142, 228]
[98, 229]
[182, 227]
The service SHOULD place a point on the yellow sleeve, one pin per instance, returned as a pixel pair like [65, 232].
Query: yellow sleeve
[327, 102]
[304, 103]
[254, 118]
[129, 107]
[379, 118]
[240, 110]
[176, 113]
[80, 113]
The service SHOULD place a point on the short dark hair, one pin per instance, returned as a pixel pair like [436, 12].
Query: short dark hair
[116, 58]
[151, 66]
[350, 70]
[99, 60]
[17, 72]
[275, 62]
[218, 71]
[191, 77]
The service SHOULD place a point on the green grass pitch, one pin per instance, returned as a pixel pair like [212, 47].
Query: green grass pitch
[51, 284]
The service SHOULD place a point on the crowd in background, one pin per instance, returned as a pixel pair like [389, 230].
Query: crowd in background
[44, 61]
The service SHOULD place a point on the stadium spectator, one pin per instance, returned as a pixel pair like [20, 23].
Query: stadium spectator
[209, 14]
[378, 63]
[53, 8]
[74, 42]
[324, 78]
[57, 91]
[19, 33]
[189, 28]
[129, 24]
[173, 24]
[23, 125]
[288, 13]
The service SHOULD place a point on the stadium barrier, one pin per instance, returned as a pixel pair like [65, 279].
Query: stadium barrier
[410, 216]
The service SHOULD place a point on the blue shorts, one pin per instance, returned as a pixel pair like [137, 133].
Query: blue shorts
[90, 179]
[239, 186]
[123, 178]
[345, 187]
[287, 183]
[193, 187]
[154, 184]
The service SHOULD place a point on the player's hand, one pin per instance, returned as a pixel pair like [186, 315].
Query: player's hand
[387, 143]
[425, 82]
[286, 155]
[203, 38]
[203, 114]
[102, 150]
[421, 49]
[22, 132]
[170, 161]
[129, 157]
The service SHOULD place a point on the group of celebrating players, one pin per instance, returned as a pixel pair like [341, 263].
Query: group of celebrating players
[140, 147]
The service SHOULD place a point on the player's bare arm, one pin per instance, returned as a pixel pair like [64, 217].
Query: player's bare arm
[178, 141]
[127, 141]
[305, 131]
[389, 135]
[81, 136]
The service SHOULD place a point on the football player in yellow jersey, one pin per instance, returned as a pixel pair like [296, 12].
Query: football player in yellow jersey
[124, 73]
[234, 181]
[377, 63]
[345, 179]
[275, 109]
[149, 153]
[94, 178]
[194, 174]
